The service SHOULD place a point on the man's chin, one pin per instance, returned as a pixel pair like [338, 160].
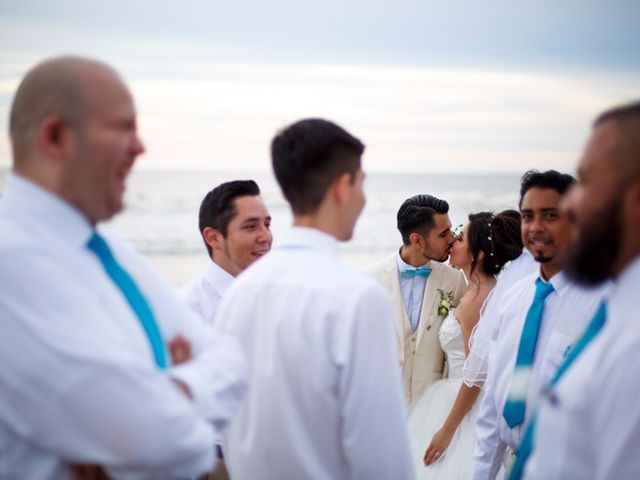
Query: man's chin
[540, 258]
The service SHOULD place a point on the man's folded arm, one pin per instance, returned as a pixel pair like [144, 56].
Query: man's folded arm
[72, 386]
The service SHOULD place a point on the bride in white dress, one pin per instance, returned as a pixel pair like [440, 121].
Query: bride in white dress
[442, 423]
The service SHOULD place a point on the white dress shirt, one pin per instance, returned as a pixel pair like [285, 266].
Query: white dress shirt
[483, 337]
[324, 400]
[567, 311]
[412, 289]
[203, 294]
[78, 379]
[588, 427]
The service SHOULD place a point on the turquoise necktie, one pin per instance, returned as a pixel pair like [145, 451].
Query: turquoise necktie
[514, 407]
[590, 333]
[133, 295]
[416, 272]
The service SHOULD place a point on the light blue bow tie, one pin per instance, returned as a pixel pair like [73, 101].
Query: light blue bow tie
[416, 272]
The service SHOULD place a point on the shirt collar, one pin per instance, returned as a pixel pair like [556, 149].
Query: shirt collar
[404, 266]
[625, 286]
[559, 281]
[44, 211]
[218, 277]
[305, 237]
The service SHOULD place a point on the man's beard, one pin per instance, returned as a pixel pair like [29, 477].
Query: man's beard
[540, 258]
[597, 247]
[428, 255]
[442, 259]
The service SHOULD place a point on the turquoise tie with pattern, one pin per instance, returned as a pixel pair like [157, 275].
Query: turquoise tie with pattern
[133, 295]
[514, 407]
[526, 446]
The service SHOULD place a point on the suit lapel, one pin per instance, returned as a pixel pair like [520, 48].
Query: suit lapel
[431, 295]
[392, 283]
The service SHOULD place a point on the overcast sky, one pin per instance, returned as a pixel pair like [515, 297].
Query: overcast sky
[453, 86]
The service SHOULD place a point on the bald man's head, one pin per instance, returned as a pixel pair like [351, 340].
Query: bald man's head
[625, 152]
[74, 133]
[605, 202]
[53, 88]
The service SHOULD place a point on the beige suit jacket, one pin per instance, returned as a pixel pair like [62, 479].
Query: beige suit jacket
[420, 354]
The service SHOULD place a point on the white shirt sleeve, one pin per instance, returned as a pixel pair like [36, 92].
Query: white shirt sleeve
[217, 372]
[112, 407]
[216, 375]
[366, 373]
[490, 448]
[616, 420]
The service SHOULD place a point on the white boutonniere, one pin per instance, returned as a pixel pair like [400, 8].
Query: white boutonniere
[445, 304]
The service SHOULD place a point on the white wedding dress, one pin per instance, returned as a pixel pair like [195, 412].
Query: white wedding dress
[434, 406]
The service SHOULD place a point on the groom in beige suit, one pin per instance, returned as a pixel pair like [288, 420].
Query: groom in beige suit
[421, 287]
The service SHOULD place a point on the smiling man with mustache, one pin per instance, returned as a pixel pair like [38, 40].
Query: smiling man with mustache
[542, 316]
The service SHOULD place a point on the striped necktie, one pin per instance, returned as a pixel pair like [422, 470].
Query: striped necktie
[133, 295]
[526, 447]
[514, 407]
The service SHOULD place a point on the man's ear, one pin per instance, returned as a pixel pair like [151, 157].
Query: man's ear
[631, 202]
[415, 238]
[212, 237]
[340, 188]
[55, 139]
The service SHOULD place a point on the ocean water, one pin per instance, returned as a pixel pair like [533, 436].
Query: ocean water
[161, 215]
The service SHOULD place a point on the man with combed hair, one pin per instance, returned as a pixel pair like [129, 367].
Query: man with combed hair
[236, 230]
[325, 397]
[101, 364]
[589, 423]
[418, 282]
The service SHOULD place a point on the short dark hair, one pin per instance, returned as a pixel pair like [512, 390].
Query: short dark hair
[498, 236]
[560, 182]
[416, 215]
[310, 154]
[218, 206]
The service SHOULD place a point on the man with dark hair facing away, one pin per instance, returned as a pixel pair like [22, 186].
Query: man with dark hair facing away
[325, 397]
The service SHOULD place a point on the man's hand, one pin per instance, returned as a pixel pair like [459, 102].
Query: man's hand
[87, 472]
[180, 350]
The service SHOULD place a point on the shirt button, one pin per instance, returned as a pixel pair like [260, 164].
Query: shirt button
[413, 339]
[413, 352]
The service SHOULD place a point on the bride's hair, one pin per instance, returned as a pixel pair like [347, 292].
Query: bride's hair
[497, 236]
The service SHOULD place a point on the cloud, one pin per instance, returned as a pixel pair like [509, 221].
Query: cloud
[428, 85]
[412, 119]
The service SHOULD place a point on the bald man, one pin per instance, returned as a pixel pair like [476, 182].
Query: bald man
[589, 422]
[101, 364]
